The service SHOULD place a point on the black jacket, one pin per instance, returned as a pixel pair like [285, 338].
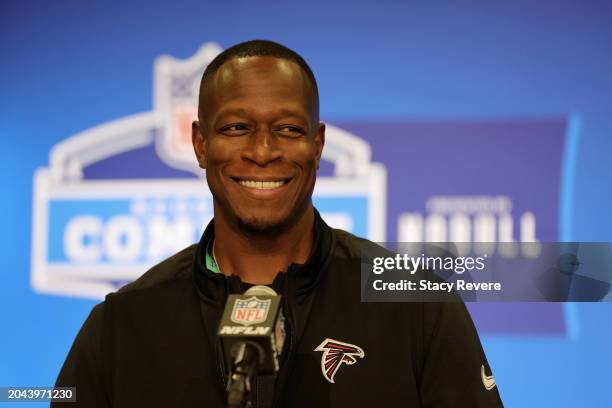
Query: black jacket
[153, 343]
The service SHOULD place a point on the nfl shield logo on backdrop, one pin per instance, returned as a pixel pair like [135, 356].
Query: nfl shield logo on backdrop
[250, 311]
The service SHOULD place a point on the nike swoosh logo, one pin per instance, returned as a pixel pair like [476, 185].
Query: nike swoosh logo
[487, 380]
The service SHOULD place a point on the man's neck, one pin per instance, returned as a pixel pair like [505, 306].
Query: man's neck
[258, 258]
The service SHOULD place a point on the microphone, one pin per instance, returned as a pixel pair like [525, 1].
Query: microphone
[252, 336]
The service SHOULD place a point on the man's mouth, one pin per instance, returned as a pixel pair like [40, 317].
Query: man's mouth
[261, 184]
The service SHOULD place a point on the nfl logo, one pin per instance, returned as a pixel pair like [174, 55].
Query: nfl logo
[250, 311]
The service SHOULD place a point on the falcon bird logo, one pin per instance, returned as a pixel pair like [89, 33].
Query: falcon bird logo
[335, 353]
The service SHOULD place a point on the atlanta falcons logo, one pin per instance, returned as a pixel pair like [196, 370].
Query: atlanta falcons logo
[334, 354]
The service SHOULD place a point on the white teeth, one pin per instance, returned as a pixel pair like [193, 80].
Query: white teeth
[261, 185]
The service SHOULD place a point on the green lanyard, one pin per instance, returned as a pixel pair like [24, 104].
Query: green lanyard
[211, 265]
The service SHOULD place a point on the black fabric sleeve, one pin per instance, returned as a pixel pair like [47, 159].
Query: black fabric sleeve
[454, 360]
[83, 367]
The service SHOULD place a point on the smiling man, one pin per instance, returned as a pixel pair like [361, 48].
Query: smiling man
[154, 342]
[260, 140]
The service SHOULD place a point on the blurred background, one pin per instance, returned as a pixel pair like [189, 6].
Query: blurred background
[475, 120]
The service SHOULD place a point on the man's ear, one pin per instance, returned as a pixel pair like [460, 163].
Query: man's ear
[198, 139]
[319, 142]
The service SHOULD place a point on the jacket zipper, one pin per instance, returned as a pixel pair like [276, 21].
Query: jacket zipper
[290, 322]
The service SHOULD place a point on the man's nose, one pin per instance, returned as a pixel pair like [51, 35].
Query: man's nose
[262, 148]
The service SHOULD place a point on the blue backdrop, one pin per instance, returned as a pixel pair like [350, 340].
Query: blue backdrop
[68, 66]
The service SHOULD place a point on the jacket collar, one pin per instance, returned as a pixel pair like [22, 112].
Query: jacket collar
[214, 287]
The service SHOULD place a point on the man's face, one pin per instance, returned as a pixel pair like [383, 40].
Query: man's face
[260, 141]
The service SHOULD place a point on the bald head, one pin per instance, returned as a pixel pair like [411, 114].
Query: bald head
[263, 80]
[283, 62]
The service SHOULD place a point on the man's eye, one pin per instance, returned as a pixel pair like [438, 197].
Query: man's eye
[289, 130]
[235, 129]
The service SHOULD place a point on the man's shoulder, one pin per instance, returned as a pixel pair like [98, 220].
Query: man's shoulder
[177, 267]
[351, 246]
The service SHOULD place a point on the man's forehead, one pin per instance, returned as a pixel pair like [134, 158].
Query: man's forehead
[245, 71]
[234, 68]
[242, 72]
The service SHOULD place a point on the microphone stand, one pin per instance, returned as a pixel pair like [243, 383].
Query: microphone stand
[246, 358]
[248, 335]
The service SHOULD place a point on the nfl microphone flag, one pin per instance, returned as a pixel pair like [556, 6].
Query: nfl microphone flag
[252, 318]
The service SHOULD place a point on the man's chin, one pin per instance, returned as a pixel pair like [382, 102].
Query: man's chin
[261, 225]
